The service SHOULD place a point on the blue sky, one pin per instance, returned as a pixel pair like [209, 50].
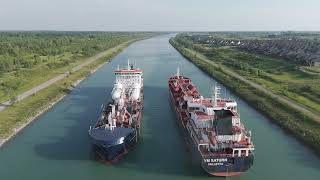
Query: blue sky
[160, 15]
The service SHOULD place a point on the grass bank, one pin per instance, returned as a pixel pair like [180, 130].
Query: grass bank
[300, 124]
[17, 116]
[28, 59]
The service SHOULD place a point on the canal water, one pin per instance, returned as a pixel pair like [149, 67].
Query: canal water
[56, 146]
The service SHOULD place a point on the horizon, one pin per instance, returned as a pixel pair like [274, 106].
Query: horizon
[159, 16]
[306, 31]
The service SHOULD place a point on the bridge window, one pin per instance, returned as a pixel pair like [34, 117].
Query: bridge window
[236, 152]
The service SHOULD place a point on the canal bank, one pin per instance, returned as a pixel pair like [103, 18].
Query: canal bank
[294, 119]
[41, 98]
[57, 146]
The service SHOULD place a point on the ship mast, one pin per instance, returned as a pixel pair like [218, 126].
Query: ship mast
[128, 64]
[178, 72]
[216, 94]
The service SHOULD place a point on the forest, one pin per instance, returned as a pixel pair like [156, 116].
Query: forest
[25, 50]
[29, 58]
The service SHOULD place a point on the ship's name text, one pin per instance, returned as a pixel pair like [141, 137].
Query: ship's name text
[215, 162]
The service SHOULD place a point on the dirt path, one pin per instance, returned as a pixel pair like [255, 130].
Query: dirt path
[300, 107]
[34, 90]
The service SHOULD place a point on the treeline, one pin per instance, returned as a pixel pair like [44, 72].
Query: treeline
[256, 67]
[26, 49]
[295, 49]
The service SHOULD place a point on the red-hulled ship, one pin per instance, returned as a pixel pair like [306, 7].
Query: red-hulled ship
[213, 126]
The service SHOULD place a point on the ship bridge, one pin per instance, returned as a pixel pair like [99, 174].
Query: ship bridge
[128, 82]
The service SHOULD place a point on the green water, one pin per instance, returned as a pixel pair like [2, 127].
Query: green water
[56, 146]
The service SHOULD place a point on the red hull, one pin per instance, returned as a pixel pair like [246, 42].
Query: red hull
[229, 174]
[187, 102]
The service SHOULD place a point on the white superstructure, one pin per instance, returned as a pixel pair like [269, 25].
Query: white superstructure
[128, 84]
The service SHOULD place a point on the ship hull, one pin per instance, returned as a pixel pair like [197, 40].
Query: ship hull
[213, 165]
[113, 152]
[122, 144]
[227, 166]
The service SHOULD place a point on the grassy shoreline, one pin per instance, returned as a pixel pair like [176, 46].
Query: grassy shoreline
[297, 123]
[28, 59]
[16, 117]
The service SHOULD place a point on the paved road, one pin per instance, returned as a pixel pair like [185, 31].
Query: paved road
[308, 72]
[315, 115]
[34, 90]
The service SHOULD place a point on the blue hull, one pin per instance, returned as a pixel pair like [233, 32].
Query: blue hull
[110, 145]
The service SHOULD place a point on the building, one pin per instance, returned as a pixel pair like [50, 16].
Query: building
[316, 62]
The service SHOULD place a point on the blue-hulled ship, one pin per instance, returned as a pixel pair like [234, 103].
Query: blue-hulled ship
[118, 127]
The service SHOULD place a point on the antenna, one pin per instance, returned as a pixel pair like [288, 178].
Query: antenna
[178, 72]
[225, 91]
[216, 94]
[128, 64]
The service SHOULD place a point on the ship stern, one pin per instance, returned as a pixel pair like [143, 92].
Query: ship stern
[227, 166]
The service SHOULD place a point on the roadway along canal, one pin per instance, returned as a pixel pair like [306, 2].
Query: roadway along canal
[56, 146]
